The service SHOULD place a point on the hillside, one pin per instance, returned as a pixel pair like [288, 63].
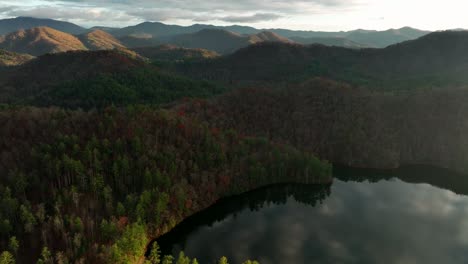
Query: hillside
[87, 79]
[8, 58]
[348, 125]
[435, 60]
[174, 53]
[21, 23]
[223, 41]
[218, 40]
[267, 36]
[40, 40]
[138, 41]
[330, 41]
[156, 30]
[381, 39]
[100, 40]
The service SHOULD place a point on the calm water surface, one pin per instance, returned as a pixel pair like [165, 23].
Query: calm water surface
[410, 216]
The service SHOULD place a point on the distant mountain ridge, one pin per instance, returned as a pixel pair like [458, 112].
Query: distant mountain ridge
[366, 38]
[438, 59]
[224, 41]
[14, 24]
[156, 33]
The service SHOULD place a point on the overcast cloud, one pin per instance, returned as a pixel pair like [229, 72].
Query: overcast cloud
[294, 14]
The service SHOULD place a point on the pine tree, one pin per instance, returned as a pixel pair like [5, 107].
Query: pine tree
[168, 260]
[155, 254]
[7, 258]
[223, 260]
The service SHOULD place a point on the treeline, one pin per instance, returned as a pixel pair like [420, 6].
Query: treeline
[349, 125]
[136, 86]
[156, 258]
[95, 187]
[95, 80]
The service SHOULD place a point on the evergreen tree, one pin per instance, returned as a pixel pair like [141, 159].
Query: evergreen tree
[168, 260]
[13, 245]
[6, 258]
[223, 260]
[155, 253]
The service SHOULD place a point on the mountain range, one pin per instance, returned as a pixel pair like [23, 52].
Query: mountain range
[222, 39]
[439, 58]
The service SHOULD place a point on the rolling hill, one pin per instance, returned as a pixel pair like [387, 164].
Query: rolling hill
[156, 30]
[436, 59]
[14, 24]
[90, 79]
[330, 41]
[381, 39]
[100, 40]
[40, 40]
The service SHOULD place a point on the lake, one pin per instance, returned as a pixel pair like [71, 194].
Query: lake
[412, 215]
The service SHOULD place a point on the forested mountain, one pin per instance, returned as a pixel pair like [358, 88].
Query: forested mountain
[174, 53]
[381, 39]
[40, 40]
[223, 41]
[136, 41]
[8, 58]
[100, 40]
[21, 23]
[437, 59]
[366, 38]
[95, 79]
[330, 41]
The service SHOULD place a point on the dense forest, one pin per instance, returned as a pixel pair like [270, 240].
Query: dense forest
[349, 125]
[97, 186]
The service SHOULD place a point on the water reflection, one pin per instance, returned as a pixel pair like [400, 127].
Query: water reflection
[380, 219]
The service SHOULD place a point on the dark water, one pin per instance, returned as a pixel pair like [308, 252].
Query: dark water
[412, 215]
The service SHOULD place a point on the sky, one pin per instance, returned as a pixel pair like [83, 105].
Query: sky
[325, 15]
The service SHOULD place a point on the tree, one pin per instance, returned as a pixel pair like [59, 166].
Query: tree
[223, 260]
[7, 258]
[183, 259]
[168, 259]
[13, 245]
[155, 253]
[46, 257]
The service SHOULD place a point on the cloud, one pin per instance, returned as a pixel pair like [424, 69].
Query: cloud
[388, 221]
[252, 18]
[164, 14]
[130, 11]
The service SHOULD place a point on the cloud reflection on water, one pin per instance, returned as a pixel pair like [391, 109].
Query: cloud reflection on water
[384, 222]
